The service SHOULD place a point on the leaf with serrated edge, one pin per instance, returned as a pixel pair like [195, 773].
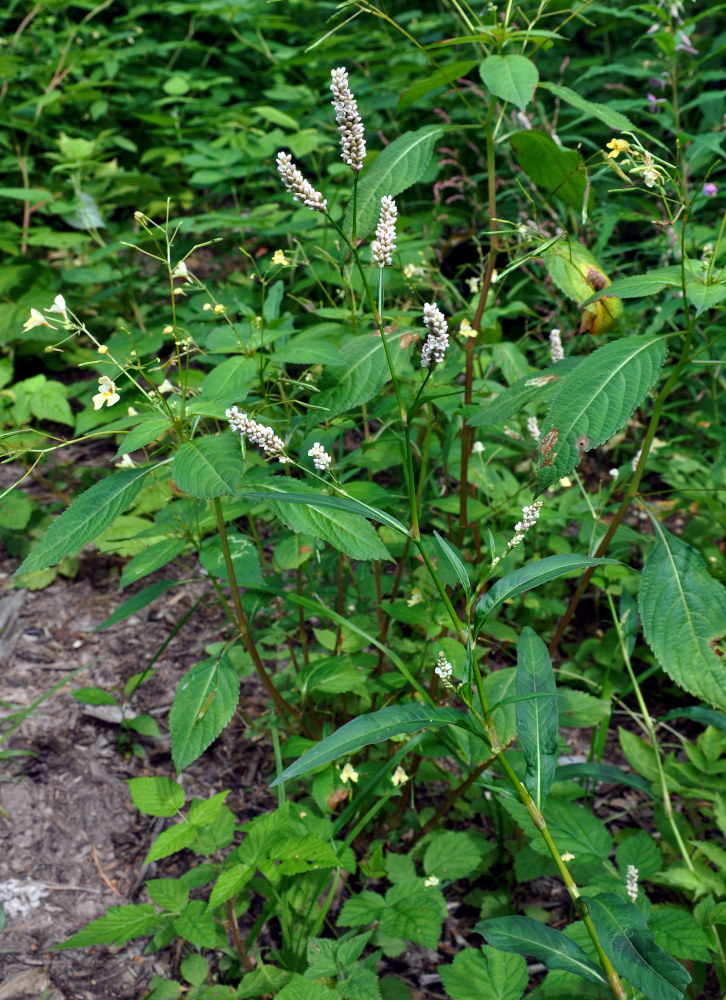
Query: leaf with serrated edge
[613, 119]
[683, 610]
[525, 936]
[205, 700]
[630, 946]
[373, 728]
[535, 388]
[595, 401]
[87, 517]
[208, 467]
[397, 167]
[537, 718]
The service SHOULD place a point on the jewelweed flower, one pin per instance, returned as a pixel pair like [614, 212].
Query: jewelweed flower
[710, 189]
[126, 462]
[36, 319]
[567, 856]
[431, 880]
[181, 271]
[399, 776]
[279, 257]
[616, 147]
[299, 188]
[348, 773]
[106, 393]
[59, 306]
[165, 387]
[350, 126]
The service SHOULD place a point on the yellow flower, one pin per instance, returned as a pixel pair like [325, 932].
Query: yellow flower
[348, 773]
[466, 329]
[279, 257]
[106, 393]
[617, 146]
[567, 856]
[415, 598]
[399, 776]
[36, 319]
[219, 308]
[431, 880]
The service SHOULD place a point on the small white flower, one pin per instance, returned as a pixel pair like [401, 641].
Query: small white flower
[350, 126]
[415, 598]
[348, 773]
[613, 473]
[557, 352]
[106, 393]
[477, 448]
[567, 856]
[437, 341]
[165, 387]
[399, 776]
[474, 285]
[126, 463]
[413, 271]
[321, 459]
[443, 668]
[36, 319]
[631, 882]
[636, 459]
[59, 306]
[181, 271]
[384, 244]
[431, 880]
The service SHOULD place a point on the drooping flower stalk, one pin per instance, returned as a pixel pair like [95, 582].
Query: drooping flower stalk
[299, 188]
[264, 437]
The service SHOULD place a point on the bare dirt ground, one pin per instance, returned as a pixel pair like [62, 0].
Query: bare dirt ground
[71, 842]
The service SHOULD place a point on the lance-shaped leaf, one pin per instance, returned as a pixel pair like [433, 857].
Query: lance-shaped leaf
[372, 728]
[397, 167]
[631, 947]
[308, 512]
[537, 717]
[86, 518]
[529, 576]
[525, 936]
[683, 610]
[204, 703]
[595, 401]
[613, 119]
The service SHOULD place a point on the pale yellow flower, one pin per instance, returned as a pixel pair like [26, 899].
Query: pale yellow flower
[567, 856]
[219, 308]
[102, 349]
[348, 773]
[126, 462]
[279, 257]
[181, 271]
[466, 329]
[431, 880]
[59, 306]
[616, 147]
[415, 598]
[399, 776]
[167, 330]
[106, 393]
[36, 319]
[165, 387]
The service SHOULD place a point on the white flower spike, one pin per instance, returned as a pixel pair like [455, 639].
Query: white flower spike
[437, 340]
[350, 126]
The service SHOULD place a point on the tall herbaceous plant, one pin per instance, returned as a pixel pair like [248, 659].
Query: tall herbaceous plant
[382, 500]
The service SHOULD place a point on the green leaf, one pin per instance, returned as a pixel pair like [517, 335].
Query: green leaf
[324, 517]
[607, 773]
[532, 575]
[595, 401]
[525, 936]
[144, 434]
[451, 855]
[204, 703]
[361, 374]
[488, 973]
[577, 708]
[444, 77]
[455, 563]
[119, 925]
[613, 119]
[698, 713]
[312, 498]
[156, 796]
[555, 171]
[86, 517]
[640, 285]
[677, 933]
[208, 466]
[630, 946]
[169, 841]
[400, 165]
[683, 610]
[372, 728]
[537, 388]
[306, 989]
[575, 830]
[537, 718]
[137, 602]
[153, 557]
[414, 911]
[705, 297]
[512, 78]
[196, 924]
